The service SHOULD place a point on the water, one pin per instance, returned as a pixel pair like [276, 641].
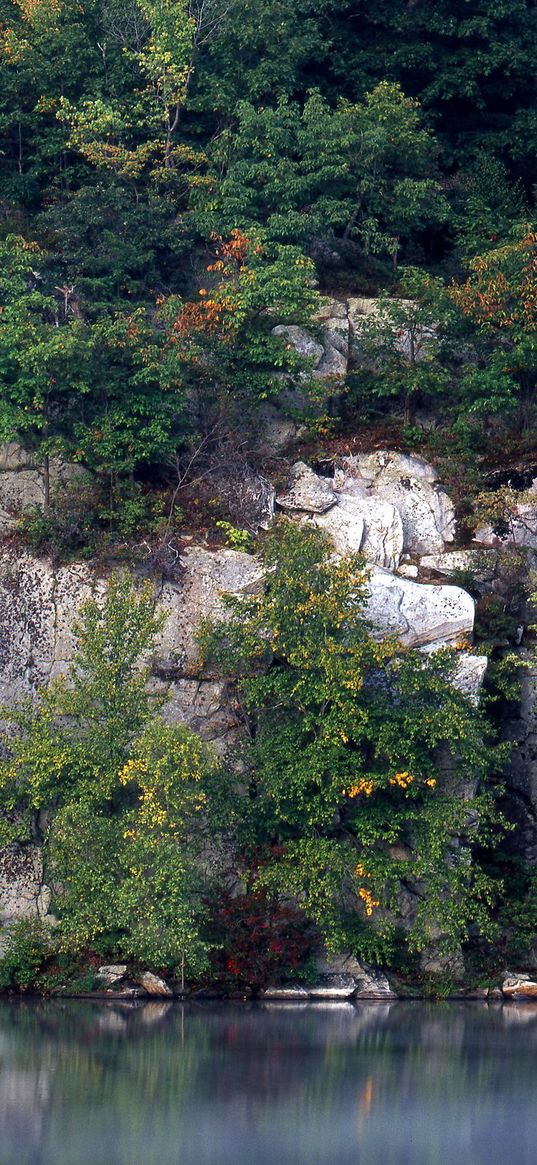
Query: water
[167, 1084]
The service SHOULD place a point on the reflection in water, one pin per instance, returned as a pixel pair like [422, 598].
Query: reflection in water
[172, 1084]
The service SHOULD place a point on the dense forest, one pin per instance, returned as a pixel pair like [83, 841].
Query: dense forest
[179, 179]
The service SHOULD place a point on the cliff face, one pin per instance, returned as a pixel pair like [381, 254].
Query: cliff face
[388, 505]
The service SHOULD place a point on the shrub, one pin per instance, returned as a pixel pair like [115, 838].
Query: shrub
[262, 940]
[25, 952]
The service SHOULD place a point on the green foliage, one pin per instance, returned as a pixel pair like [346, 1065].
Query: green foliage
[402, 342]
[25, 950]
[357, 171]
[236, 538]
[122, 787]
[363, 756]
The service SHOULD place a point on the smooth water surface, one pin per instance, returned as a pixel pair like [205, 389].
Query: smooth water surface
[170, 1084]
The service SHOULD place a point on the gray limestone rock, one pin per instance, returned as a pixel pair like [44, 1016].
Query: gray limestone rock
[337, 987]
[367, 524]
[330, 354]
[22, 481]
[307, 492]
[293, 993]
[482, 564]
[369, 982]
[522, 530]
[23, 893]
[416, 612]
[410, 485]
[153, 984]
[113, 973]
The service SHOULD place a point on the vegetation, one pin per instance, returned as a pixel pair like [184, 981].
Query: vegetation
[181, 184]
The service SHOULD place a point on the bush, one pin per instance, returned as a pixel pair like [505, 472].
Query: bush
[263, 941]
[25, 952]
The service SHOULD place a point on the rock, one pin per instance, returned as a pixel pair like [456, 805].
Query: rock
[22, 483]
[203, 706]
[410, 484]
[333, 987]
[417, 613]
[301, 340]
[276, 429]
[207, 577]
[248, 496]
[369, 982]
[307, 491]
[373, 984]
[362, 308]
[23, 893]
[522, 529]
[37, 609]
[482, 564]
[365, 524]
[293, 994]
[113, 973]
[344, 525]
[330, 355]
[519, 986]
[436, 964]
[469, 671]
[153, 984]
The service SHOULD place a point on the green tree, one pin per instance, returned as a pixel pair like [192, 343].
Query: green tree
[404, 340]
[362, 171]
[350, 790]
[123, 792]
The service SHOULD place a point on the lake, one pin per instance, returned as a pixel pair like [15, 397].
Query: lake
[85, 1083]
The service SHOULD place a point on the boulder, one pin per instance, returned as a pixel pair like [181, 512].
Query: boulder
[207, 577]
[329, 354]
[293, 993]
[469, 671]
[519, 986]
[410, 485]
[113, 973]
[343, 524]
[335, 987]
[522, 529]
[369, 982]
[367, 524]
[307, 492]
[22, 483]
[364, 309]
[482, 564]
[418, 613]
[153, 984]
[302, 341]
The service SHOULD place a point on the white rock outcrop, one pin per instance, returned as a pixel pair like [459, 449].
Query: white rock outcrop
[482, 564]
[416, 612]
[411, 486]
[330, 353]
[307, 492]
[522, 530]
[23, 893]
[369, 525]
[22, 482]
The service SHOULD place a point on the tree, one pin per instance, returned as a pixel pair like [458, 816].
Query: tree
[499, 298]
[403, 339]
[362, 171]
[222, 343]
[122, 789]
[95, 392]
[350, 793]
